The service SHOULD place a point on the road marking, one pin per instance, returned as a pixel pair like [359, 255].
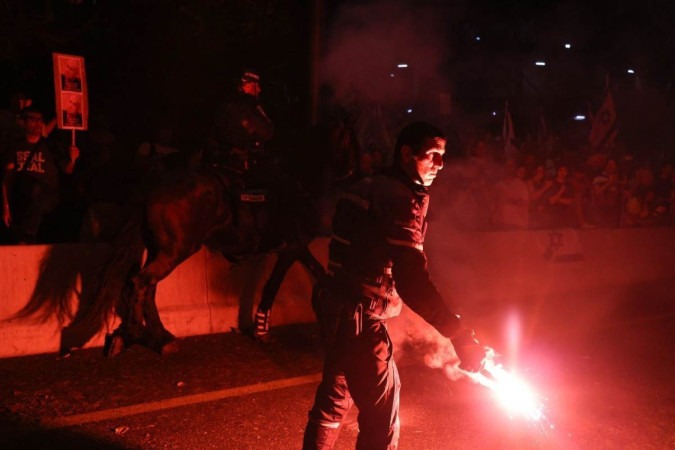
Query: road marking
[115, 413]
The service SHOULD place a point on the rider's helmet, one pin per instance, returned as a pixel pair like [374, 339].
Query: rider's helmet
[250, 76]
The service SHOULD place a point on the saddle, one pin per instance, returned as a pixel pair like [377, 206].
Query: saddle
[259, 196]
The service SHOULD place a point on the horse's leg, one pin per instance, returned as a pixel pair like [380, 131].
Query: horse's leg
[156, 336]
[285, 260]
[128, 309]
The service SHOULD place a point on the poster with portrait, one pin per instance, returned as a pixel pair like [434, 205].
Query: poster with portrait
[70, 83]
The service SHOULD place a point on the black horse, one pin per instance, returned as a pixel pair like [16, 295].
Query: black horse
[260, 212]
[264, 211]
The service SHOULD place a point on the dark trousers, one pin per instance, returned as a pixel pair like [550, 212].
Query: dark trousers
[357, 370]
[31, 203]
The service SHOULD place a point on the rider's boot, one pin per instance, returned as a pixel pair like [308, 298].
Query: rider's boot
[261, 327]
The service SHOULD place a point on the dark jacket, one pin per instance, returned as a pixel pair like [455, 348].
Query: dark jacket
[242, 123]
[378, 237]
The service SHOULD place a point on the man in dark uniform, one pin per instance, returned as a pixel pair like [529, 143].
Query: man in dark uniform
[267, 192]
[376, 258]
[241, 126]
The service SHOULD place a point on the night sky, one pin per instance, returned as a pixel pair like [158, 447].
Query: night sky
[152, 61]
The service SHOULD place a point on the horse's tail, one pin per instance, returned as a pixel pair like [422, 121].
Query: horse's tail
[108, 283]
[53, 290]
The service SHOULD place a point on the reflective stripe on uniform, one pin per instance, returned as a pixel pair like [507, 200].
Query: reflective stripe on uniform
[322, 423]
[400, 243]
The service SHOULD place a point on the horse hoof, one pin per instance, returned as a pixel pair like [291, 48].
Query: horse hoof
[168, 348]
[264, 338]
[114, 344]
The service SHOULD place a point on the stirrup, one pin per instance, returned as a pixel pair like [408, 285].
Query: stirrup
[262, 323]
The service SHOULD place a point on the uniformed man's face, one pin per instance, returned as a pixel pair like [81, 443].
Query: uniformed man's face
[424, 165]
[251, 88]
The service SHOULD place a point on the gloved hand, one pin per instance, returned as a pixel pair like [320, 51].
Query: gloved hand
[469, 351]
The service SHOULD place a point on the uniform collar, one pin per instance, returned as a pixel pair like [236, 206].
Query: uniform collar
[397, 172]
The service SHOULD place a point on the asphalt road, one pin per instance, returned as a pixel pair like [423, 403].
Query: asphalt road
[610, 387]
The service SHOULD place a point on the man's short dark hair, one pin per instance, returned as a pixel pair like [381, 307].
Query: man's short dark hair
[414, 135]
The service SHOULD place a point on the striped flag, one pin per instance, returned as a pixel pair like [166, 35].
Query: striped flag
[604, 127]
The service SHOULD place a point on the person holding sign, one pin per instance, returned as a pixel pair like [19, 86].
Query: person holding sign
[30, 183]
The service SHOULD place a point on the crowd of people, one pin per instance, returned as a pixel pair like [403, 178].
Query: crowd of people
[564, 189]
[54, 191]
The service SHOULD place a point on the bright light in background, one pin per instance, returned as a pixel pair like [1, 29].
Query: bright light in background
[391, 75]
[579, 117]
[568, 45]
[540, 63]
[494, 113]
[409, 110]
[631, 71]
[478, 38]
[402, 66]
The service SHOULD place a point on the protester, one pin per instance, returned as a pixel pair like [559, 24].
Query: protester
[580, 184]
[537, 185]
[608, 195]
[556, 205]
[663, 186]
[513, 199]
[641, 205]
[30, 184]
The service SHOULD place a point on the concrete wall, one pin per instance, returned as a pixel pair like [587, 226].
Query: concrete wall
[578, 272]
[205, 294]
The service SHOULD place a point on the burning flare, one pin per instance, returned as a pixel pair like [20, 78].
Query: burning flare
[515, 396]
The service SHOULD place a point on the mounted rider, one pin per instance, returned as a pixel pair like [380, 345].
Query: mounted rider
[236, 152]
[271, 207]
[241, 127]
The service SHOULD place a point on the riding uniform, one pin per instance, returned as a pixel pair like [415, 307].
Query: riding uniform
[271, 211]
[241, 127]
[376, 258]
